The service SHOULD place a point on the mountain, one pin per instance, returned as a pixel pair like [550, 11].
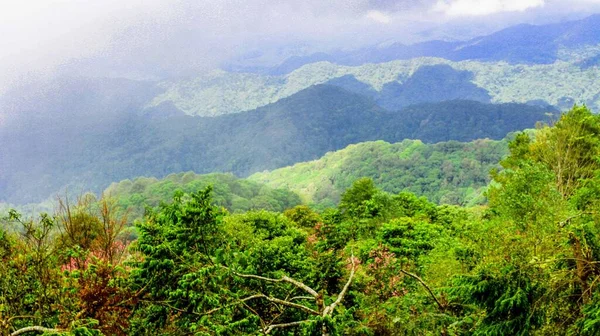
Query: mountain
[394, 84]
[55, 131]
[521, 44]
[446, 172]
[435, 83]
[89, 153]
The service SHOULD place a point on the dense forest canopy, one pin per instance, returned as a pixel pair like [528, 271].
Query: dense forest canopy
[375, 263]
[446, 172]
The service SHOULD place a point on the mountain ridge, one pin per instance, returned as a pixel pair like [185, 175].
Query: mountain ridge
[302, 127]
[522, 43]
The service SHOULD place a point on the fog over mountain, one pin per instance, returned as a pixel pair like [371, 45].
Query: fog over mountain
[157, 39]
[78, 79]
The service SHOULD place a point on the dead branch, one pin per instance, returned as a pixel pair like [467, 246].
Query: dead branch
[268, 298]
[34, 329]
[442, 307]
[329, 309]
[290, 304]
[302, 298]
[284, 278]
[284, 325]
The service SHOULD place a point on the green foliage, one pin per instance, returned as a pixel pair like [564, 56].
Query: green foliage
[502, 81]
[303, 215]
[356, 198]
[378, 263]
[178, 243]
[539, 235]
[447, 172]
[409, 238]
[236, 195]
[508, 296]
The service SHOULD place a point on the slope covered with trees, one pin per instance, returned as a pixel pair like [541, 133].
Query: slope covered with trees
[234, 194]
[119, 144]
[446, 172]
[560, 84]
[377, 263]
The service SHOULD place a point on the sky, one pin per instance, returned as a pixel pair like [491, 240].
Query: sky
[152, 38]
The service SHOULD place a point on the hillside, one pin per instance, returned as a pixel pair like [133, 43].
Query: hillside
[234, 194]
[112, 147]
[375, 263]
[395, 84]
[446, 172]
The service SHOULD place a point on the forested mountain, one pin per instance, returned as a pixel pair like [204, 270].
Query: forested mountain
[521, 44]
[394, 84]
[90, 153]
[446, 172]
[380, 263]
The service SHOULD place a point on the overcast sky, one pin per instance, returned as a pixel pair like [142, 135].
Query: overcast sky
[128, 37]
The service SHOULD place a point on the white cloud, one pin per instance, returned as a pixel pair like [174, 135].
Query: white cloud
[378, 16]
[484, 7]
[173, 37]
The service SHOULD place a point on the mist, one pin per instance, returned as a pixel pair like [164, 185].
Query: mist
[152, 40]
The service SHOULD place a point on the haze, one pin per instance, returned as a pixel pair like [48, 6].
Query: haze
[159, 39]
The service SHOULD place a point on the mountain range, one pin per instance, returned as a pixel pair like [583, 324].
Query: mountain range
[521, 44]
[85, 133]
[94, 151]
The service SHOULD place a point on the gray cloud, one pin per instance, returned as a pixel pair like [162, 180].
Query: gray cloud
[152, 38]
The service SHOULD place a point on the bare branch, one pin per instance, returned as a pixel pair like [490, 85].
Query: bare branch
[329, 309]
[20, 317]
[291, 304]
[251, 297]
[34, 329]
[569, 219]
[442, 307]
[270, 299]
[284, 325]
[284, 278]
[302, 298]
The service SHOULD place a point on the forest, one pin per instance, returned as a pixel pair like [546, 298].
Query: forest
[110, 140]
[374, 260]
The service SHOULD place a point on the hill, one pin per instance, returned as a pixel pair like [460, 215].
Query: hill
[394, 84]
[234, 194]
[446, 172]
[40, 159]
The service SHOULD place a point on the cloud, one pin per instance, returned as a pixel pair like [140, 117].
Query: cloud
[163, 38]
[378, 16]
[484, 7]
[138, 38]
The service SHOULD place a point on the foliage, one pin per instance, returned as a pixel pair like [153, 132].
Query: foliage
[236, 195]
[63, 274]
[377, 263]
[448, 172]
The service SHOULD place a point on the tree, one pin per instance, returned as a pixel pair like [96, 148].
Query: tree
[201, 273]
